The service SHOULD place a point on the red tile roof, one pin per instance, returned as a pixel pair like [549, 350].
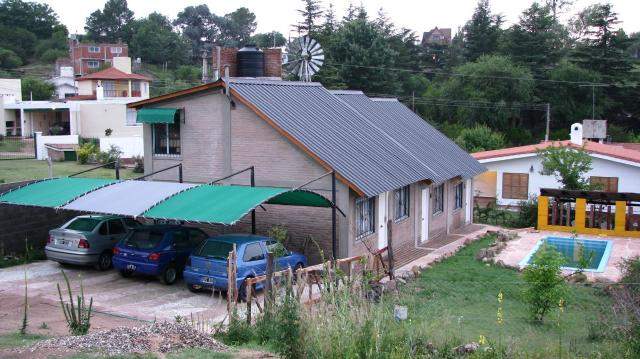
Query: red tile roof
[112, 73]
[611, 150]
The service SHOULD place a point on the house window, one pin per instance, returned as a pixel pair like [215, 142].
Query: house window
[515, 185]
[438, 199]
[401, 201]
[607, 184]
[93, 64]
[131, 119]
[459, 196]
[166, 138]
[94, 49]
[116, 50]
[365, 216]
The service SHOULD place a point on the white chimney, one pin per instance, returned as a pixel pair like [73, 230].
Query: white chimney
[576, 134]
[99, 91]
[122, 63]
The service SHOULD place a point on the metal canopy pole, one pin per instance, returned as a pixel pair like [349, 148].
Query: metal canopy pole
[253, 211]
[334, 234]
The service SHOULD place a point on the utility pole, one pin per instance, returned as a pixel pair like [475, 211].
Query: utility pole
[548, 115]
[593, 97]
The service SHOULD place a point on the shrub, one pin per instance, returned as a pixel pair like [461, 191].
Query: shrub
[86, 151]
[545, 286]
[480, 138]
[51, 55]
[138, 164]
[9, 59]
[527, 213]
[112, 155]
[626, 304]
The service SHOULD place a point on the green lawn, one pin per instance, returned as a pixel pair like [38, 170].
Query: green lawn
[11, 146]
[20, 170]
[458, 298]
[18, 340]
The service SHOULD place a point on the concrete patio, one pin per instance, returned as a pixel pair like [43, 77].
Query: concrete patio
[623, 247]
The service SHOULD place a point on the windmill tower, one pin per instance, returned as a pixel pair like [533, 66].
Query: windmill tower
[303, 57]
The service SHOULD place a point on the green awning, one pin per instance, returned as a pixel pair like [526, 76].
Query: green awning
[156, 115]
[228, 204]
[53, 192]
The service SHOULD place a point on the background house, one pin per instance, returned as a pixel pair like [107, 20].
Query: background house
[391, 164]
[88, 57]
[65, 83]
[437, 36]
[514, 174]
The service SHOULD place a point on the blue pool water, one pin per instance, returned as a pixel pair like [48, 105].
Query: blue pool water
[598, 249]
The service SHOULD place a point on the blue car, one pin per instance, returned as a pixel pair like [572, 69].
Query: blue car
[158, 250]
[207, 266]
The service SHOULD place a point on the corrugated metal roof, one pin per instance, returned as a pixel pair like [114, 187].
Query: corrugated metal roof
[435, 150]
[335, 132]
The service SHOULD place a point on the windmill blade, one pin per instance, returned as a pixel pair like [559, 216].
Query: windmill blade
[314, 46]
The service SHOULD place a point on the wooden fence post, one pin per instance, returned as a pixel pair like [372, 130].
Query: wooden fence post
[231, 282]
[249, 299]
[390, 248]
[268, 284]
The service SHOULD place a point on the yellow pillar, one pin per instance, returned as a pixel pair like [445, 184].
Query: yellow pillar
[581, 214]
[543, 212]
[620, 218]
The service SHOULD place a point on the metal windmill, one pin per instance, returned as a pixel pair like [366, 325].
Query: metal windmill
[303, 57]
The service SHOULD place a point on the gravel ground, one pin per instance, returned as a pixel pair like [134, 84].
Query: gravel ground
[157, 337]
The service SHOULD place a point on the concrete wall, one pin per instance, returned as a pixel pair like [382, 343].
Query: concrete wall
[627, 174]
[33, 223]
[41, 141]
[130, 146]
[93, 118]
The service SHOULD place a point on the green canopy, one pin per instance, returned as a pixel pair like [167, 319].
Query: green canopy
[228, 204]
[156, 115]
[53, 192]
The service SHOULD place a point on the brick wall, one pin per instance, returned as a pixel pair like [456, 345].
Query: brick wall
[33, 223]
[228, 57]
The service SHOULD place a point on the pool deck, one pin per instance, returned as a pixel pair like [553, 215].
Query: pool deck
[623, 247]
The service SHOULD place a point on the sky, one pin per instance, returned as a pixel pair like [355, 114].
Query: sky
[279, 15]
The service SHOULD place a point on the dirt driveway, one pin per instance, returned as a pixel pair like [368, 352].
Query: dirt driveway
[117, 301]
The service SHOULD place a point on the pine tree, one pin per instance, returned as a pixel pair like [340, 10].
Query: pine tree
[311, 14]
[482, 32]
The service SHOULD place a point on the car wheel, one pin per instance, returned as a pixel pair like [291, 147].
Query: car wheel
[126, 273]
[242, 292]
[295, 269]
[104, 261]
[169, 275]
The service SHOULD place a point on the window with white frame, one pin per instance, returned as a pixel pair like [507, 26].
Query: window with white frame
[365, 216]
[459, 196]
[438, 199]
[93, 64]
[131, 119]
[401, 203]
[94, 49]
[116, 50]
[166, 138]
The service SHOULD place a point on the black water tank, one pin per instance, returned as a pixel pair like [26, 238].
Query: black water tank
[250, 62]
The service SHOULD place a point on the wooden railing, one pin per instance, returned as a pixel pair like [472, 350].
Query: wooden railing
[589, 212]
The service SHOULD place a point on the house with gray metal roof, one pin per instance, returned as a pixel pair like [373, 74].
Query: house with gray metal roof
[390, 164]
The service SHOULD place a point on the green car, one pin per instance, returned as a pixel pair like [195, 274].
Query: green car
[88, 240]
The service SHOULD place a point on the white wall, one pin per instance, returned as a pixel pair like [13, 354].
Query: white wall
[628, 175]
[41, 151]
[130, 146]
[94, 117]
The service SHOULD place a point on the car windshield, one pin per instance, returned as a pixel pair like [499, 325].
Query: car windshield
[83, 224]
[144, 239]
[215, 249]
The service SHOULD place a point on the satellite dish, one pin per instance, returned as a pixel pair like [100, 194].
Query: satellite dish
[303, 57]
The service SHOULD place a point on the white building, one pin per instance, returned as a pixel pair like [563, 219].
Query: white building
[65, 84]
[514, 174]
[98, 111]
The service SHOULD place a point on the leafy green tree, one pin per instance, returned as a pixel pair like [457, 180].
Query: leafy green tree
[40, 90]
[545, 287]
[22, 42]
[236, 27]
[310, 13]
[482, 32]
[480, 138]
[57, 43]
[38, 18]
[9, 59]
[112, 23]
[188, 73]
[268, 39]
[487, 91]
[155, 41]
[536, 40]
[568, 165]
[197, 23]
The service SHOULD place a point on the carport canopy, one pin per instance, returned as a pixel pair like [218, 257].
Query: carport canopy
[204, 203]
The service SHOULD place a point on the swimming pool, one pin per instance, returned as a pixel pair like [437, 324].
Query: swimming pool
[601, 250]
